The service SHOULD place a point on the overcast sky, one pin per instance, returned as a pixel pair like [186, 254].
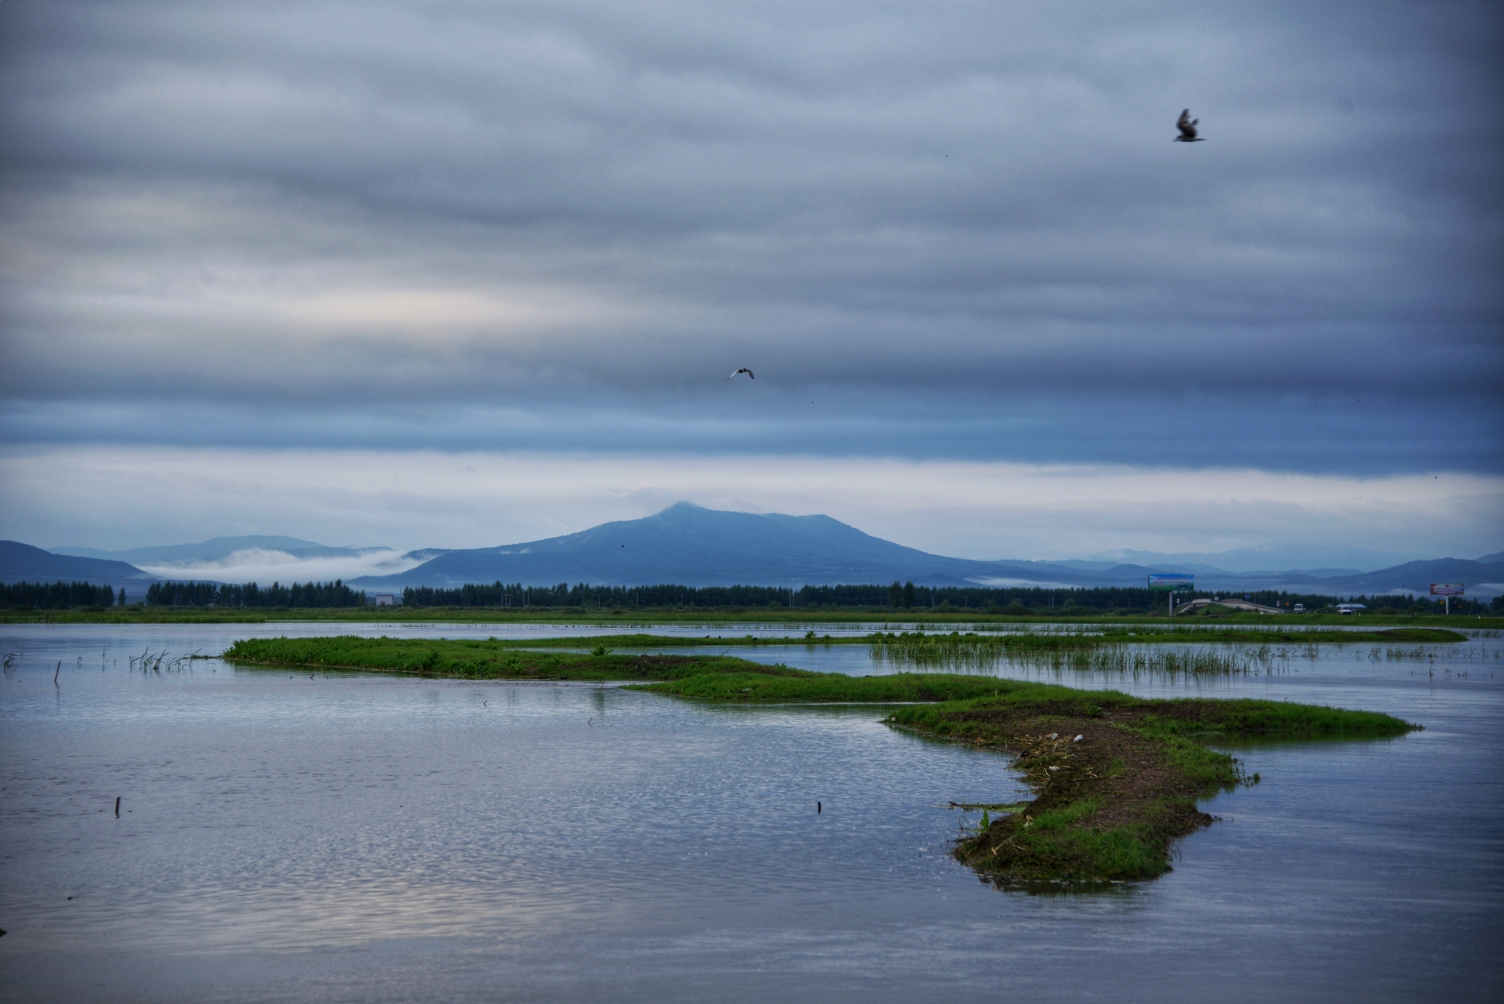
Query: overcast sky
[954, 241]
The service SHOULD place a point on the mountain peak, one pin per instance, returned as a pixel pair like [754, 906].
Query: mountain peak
[692, 545]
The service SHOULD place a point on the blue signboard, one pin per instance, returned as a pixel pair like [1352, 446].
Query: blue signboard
[1171, 582]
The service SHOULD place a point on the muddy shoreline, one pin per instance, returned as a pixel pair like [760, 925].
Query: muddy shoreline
[1109, 805]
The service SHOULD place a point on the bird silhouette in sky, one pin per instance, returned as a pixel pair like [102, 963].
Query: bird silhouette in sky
[1187, 127]
[740, 371]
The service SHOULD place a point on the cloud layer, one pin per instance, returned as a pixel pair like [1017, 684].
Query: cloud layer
[264, 565]
[957, 232]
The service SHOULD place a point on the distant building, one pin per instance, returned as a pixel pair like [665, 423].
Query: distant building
[1351, 608]
[384, 599]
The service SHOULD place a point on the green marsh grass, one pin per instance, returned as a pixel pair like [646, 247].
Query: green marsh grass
[1109, 808]
[481, 660]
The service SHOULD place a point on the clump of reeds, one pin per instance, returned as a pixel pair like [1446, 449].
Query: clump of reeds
[156, 662]
[968, 651]
[1173, 662]
[1075, 653]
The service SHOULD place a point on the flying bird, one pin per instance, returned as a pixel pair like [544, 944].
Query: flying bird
[1187, 127]
[740, 371]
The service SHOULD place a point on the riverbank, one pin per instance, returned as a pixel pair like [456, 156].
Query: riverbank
[1107, 807]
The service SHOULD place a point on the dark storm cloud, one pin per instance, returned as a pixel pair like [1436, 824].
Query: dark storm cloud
[961, 231]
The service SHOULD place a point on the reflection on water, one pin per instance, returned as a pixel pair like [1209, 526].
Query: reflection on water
[344, 836]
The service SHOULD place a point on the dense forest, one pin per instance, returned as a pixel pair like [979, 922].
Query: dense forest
[57, 596]
[895, 596]
[213, 594]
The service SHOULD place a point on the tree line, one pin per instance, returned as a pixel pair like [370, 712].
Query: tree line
[897, 596]
[1430, 605]
[214, 594]
[58, 595]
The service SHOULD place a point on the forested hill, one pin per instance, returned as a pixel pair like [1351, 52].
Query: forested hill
[24, 563]
[1482, 577]
[705, 547]
[692, 546]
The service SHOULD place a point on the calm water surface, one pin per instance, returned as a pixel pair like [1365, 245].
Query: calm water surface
[356, 837]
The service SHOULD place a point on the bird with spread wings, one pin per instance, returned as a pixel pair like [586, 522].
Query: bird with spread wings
[1187, 127]
[740, 371]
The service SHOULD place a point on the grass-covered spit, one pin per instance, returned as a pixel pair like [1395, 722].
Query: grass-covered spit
[1106, 806]
[482, 660]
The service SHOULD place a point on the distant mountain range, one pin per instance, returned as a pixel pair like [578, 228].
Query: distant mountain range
[1270, 557]
[689, 545]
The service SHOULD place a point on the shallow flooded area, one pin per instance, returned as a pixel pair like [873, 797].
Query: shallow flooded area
[356, 837]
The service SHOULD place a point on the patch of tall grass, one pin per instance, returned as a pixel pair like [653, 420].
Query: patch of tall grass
[1075, 653]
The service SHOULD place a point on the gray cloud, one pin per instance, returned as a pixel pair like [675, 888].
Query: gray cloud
[961, 232]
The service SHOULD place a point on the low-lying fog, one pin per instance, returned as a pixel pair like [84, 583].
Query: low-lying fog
[264, 566]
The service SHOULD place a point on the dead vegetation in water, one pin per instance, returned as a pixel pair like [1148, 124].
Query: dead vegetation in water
[163, 661]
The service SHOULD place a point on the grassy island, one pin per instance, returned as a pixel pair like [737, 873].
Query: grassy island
[1108, 805]
[1115, 777]
[484, 660]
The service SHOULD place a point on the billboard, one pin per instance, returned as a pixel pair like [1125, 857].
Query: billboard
[1171, 582]
[1446, 589]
